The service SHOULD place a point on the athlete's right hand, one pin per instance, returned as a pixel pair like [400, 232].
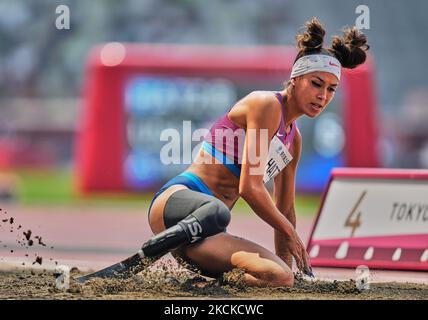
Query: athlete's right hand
[297, 249]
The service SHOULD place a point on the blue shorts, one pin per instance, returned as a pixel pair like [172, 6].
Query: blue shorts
[190, 180]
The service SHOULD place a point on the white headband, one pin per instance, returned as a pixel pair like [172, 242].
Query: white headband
[316, 62]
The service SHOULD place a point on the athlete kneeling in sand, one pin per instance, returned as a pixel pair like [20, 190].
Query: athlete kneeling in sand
[190, 213]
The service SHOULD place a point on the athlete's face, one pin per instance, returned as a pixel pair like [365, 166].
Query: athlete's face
[314, 91]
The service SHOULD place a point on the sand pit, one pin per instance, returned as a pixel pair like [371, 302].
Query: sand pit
[95, 238]
[169, 283]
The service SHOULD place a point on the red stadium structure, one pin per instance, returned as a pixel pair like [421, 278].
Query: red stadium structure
[101, 142]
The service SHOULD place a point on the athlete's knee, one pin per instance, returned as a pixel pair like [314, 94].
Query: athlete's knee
[270, 272]
[276, 276]
[282, 278]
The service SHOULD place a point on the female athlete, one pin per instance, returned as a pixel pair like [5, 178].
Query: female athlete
[255, 141]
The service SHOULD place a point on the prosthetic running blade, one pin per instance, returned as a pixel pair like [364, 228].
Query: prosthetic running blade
[121, 270]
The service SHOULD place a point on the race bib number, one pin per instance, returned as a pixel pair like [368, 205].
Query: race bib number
[279, 158]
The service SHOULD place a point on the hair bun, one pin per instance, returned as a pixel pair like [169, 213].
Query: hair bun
[312, 39]
[350, 49]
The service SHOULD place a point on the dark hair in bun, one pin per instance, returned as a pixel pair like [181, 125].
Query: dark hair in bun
[350, 49]
[312, 39]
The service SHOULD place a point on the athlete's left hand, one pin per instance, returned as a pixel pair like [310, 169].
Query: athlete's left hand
[297, 249]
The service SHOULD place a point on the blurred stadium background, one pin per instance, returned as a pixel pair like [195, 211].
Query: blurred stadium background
[42, 74]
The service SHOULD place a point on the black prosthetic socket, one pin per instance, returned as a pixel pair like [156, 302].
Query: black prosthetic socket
[172, 238]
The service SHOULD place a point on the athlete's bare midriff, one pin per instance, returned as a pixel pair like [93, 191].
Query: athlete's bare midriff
[218, 178]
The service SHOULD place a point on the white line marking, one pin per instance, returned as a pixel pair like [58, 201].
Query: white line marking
[315, 250]
[342, 251]
[369, 254]
[397, 254]
[424, 256]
